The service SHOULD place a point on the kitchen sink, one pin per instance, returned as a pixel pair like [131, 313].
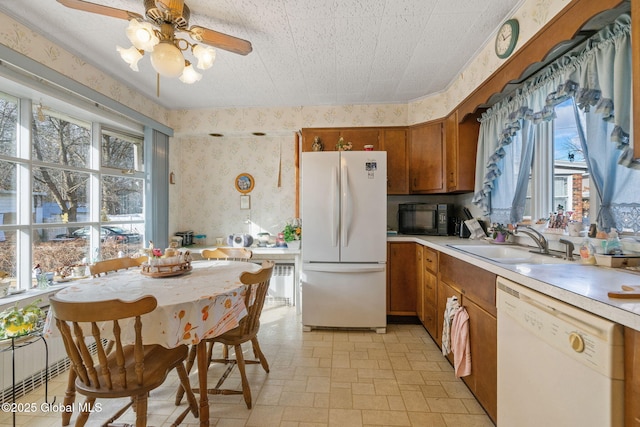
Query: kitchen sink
[509, 254]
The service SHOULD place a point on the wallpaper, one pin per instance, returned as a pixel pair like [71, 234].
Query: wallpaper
[204, 198]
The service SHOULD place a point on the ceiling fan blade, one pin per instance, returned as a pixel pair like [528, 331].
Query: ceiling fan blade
[220, 40]
[86, 6]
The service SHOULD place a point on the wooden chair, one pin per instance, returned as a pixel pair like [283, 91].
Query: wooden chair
[246, 331]
[226, 254]
[130, 370]
[229, 254]
[115, 264]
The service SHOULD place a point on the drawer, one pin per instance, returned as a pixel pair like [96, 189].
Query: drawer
[474, 283]
[430, 259]
[430, 287]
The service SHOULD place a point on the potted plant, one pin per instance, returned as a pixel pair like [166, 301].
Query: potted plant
[15, 321]
[500, 232]
[292, 233]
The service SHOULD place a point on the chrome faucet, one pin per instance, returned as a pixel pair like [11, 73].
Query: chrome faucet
[538, 238]
[569, 248]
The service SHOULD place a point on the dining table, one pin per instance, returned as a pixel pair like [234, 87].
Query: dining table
[202, 303]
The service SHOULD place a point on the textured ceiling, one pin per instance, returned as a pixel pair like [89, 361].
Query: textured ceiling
[305, 52]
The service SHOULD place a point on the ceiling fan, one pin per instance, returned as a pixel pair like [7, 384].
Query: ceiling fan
[156, 33]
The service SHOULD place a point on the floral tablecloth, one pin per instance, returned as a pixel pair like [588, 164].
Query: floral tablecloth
[205, 302]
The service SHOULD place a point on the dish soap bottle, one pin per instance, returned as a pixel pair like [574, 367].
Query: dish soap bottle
[587, 251]
[613, 246]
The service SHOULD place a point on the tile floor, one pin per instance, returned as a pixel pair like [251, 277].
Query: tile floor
[318, 378]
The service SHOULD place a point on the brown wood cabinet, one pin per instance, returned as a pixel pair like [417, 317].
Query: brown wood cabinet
[394, 142]
[476, 291]
[426, 158]
[461, 141]
[401, 278]
[420, 291]
[445, 291]
[429, 285]
[429, 158]
[359, 137]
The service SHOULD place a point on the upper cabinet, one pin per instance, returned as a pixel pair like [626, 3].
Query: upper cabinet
[426, 154]
[429, 158]
[443, 156]
[394, 142]
[461, 142]
[328, 137]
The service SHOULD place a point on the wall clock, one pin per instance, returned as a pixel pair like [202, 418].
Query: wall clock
[507, 38]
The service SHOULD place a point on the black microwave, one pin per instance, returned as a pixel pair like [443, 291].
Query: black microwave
[425, 218]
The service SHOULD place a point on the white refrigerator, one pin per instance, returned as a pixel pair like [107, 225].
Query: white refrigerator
[344, 253]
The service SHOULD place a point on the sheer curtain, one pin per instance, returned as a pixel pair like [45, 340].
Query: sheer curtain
[598, 77]
[617, 186]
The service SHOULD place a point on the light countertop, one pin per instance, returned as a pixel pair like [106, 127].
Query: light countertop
[583, 286]
[260, 253]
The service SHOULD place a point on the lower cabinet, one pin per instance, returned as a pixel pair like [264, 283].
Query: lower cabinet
[483, 339]
[444, 292]
[476, 291]
[429, 284]
[401, 278]
[420, 280]
[420, 289]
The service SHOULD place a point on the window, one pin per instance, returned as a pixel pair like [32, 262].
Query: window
[121, 151]
[569, 164]
[71, 188]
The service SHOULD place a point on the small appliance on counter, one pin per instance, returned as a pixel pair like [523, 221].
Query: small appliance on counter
[187, 237]
[240, 240]
[263, 239]
[434, 219]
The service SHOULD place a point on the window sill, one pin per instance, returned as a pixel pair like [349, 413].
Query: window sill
[28, 297]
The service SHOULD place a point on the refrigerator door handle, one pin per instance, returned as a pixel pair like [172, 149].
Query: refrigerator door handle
[335, 199]
[347, 206]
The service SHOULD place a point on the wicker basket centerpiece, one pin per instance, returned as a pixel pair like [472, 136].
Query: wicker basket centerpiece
[175, 264]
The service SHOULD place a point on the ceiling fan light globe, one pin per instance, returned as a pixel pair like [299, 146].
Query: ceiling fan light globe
[167, 59]
[205, 56]
[190, 75]
[142, 35]
[131, 56]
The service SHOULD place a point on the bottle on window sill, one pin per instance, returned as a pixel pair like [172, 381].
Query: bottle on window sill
[587, 252]
[613, 246]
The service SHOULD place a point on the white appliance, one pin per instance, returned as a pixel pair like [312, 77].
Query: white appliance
[557, 365]
[344, 253]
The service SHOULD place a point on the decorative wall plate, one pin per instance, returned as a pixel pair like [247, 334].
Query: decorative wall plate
[244, 183]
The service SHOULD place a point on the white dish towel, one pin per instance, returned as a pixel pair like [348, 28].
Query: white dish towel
[449, 311]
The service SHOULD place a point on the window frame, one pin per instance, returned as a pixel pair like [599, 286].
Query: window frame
[25, 224]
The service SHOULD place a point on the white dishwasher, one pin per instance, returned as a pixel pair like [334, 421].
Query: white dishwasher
[557, 365]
